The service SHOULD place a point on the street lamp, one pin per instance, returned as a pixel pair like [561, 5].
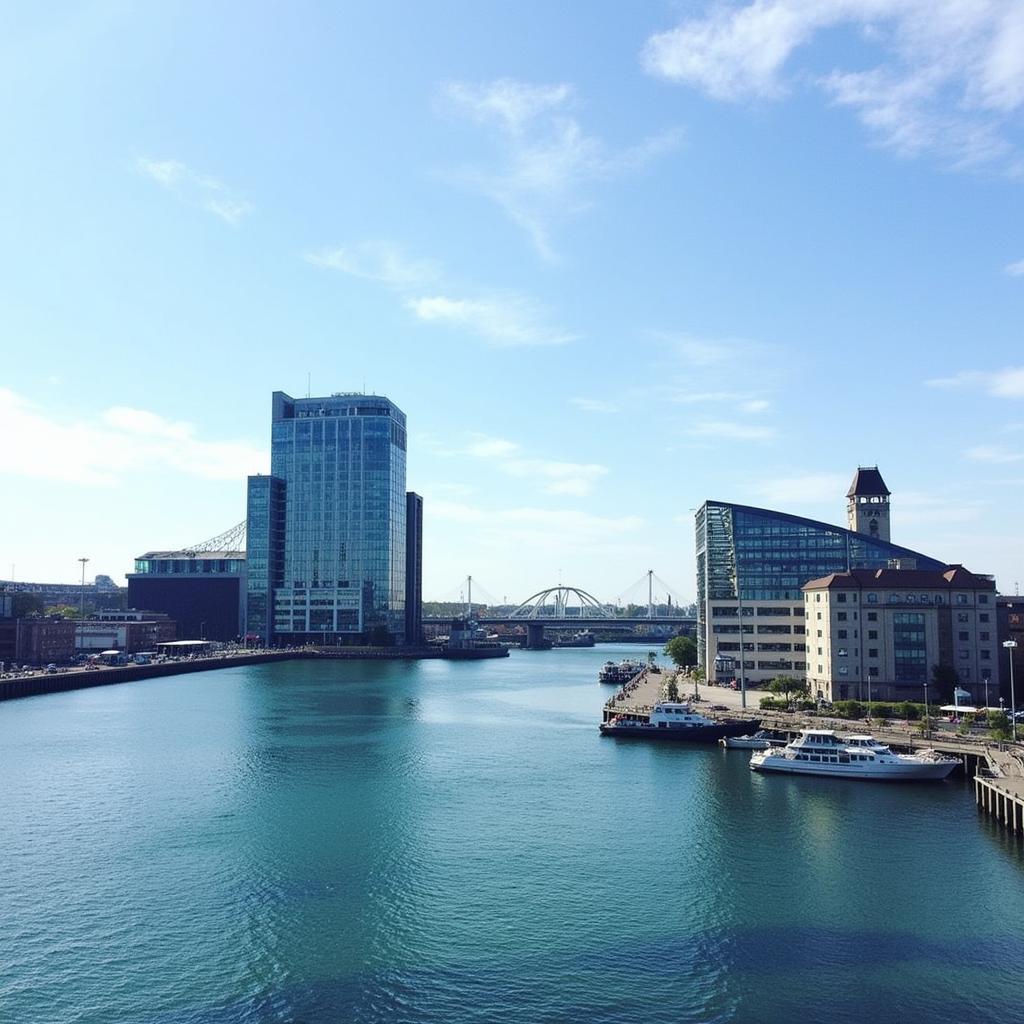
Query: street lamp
[83, 561]
[927, 717]
[1011, 646]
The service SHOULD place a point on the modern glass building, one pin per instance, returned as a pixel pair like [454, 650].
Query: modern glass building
[751, 566]
[327, 528]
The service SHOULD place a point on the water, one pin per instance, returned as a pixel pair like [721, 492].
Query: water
[443, 842]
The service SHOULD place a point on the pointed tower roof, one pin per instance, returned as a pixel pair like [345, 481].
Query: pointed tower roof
[867, 480]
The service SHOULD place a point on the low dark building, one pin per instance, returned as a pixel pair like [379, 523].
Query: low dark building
[203, 591]
[130, 631]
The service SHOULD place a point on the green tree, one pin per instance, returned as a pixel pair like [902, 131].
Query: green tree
[784, 686]
[682, 650]
[672, 690]
[24, 605]
[65, 611]
[945, 679]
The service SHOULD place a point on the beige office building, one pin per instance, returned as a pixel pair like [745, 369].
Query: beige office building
[877, 634]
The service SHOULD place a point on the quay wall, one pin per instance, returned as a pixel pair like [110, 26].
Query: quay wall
[40, 683]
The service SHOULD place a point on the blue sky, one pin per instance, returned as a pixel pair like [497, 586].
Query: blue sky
[611, 259]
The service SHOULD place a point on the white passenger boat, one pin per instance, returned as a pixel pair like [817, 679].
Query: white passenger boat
[822, 752]
[760, 740]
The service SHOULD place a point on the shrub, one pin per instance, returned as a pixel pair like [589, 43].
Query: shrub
[772, 704]
[848, 709]
[908, 710]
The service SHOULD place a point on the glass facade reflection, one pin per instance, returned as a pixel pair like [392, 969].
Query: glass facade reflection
[330, 523]
[749, 554]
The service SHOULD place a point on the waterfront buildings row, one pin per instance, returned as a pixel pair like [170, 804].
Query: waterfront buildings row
[844, 609]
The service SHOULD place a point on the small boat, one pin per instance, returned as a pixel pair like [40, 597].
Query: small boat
[760, 740]
[822, 752]
[669, 720]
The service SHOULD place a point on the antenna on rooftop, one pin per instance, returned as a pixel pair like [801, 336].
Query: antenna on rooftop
[309, 383]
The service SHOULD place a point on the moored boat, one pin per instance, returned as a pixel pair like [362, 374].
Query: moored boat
[760, 740]
[669, 720]
[619, 673]
[822, 752]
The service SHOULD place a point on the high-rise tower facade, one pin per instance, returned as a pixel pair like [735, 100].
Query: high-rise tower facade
[867, 504]
[330, 524]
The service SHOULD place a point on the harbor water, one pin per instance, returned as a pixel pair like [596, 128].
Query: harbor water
[452, 843]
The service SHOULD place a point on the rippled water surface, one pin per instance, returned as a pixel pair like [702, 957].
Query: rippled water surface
[362, 842]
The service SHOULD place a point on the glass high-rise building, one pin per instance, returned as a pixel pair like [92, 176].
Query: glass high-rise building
[327, 528]
[751, 566]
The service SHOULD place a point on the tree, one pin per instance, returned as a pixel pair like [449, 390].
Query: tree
[682, 650]
[945, 679]
[673, 690]
[24, 605]
[65, 611]
[786, 685]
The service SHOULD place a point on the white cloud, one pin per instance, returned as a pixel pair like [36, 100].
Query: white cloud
[484, 447]
[384, 262]
[546, 158]
[994, 453]
[1014, 269]
[194, 189]
[503, 321]
[755, 405]
[120, 442]
[548, 526]
[732, 430]
[561, 477]
[1005, 383]
[809, 488]
[594, 405]
[948, 77]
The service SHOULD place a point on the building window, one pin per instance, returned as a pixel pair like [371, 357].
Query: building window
[961, 599]
[986, 655]
[983, 599]
[872, 652]
[842, 652]
[983, 636]
[841, 598]
[963, 635]
[872, 599]
[841, 616]
[962, 617]
[983, 616]
[872, 634]
[872, 616]
[873, 672]
[841, 634]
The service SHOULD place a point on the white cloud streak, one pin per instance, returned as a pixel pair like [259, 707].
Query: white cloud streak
[1014, 269]
[193, 189]
[122, 441]
[546, 160]
[502, 321]
[1005, 383]
[381, 261]
[949, 78]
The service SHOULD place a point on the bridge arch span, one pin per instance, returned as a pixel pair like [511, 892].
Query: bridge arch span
[553, 602]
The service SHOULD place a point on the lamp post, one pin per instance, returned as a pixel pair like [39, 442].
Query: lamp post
[927, 717]
[1011, 646]
[83, 561]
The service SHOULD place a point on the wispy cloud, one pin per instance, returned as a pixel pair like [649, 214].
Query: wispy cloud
[1005, 383]
[949, 77]
[382, 261]
[119, 442]
[554, 476]
[501, 318]
[193, 189]
[733, 431]
[994, 454]
[545, 525]
[808, 488]
[546, 160]
[502, 321]
[594, 405]
[1014, 269]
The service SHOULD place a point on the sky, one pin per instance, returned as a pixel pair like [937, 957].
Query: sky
[611, 260]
